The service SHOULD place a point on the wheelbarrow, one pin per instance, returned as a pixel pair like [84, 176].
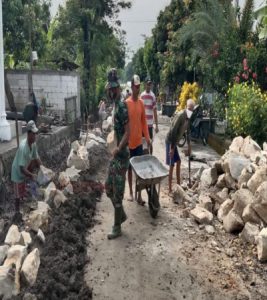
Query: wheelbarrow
[149, 172]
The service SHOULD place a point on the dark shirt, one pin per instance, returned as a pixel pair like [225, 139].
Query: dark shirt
[178, 127]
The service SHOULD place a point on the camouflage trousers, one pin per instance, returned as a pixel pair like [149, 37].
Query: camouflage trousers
[115, 183]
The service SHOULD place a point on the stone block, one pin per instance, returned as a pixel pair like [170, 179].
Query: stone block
[205, 202]
[13, 236]
[233, 222]
[201, 215]
[262, 245]
[224, 209]
[208, 178]
[249, 233]
[257, 179]
[242, 198]
[39, 218]
[249, 215]
[30, 267]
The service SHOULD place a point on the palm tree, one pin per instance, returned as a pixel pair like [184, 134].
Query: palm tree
[208, 26]
[246, 22]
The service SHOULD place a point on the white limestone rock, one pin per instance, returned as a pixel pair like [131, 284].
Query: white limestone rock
[224, 209]
[244, 177]
[250, 148]
[3, 253]
[262, 245]
[223, 195]
[16, 255]
[205, 202]
[92, 143]
[27, 240]
[39, 218]
[50, 192]
[59, 198]
[249, 215]
[208, 178]
[41, 236]
[179, 195]
[242, 198]
[237, 145]
[30, 267]
[230, 182]
[249, 233]
[78, 158]
[232, 222]
[236, 164]
[73, 173]
[257, 179]
[201, 215]
[221, 181]
[13, 236]
[45, 175]
[7, 282]
[63, 179]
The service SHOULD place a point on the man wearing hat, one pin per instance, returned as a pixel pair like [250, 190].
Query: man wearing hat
[115, 183]
[138, 128]
[149, 100]
[25, 161]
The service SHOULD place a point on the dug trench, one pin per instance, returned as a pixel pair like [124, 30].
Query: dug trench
[64, 254]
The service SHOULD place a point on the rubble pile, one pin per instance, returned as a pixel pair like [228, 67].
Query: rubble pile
[55, 203]
[234, 190]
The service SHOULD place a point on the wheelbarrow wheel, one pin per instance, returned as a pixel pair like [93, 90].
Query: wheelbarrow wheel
[153, 201]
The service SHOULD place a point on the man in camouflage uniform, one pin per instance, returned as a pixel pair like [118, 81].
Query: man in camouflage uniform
[119, 163]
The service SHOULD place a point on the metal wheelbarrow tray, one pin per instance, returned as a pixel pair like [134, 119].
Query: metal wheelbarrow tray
[149, 172]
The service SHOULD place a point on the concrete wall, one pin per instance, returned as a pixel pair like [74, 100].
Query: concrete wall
[54, 86]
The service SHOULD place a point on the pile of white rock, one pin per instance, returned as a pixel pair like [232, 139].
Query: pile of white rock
[17, 262]
[235, 190]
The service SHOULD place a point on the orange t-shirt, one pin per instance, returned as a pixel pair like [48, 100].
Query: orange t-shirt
[137, 122]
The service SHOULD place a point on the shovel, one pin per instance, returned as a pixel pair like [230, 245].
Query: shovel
[189, 161]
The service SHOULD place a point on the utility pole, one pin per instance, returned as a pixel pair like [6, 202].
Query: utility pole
[30, 81]
[5, 129]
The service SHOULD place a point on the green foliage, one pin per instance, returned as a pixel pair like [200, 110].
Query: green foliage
[82, 34]
[19, 19]
[246, 22]
[247, 111]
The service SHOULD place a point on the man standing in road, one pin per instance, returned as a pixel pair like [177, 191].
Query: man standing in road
[149, 100]
[138, 128]
[179, 125]
[115, 183]
[25, 161]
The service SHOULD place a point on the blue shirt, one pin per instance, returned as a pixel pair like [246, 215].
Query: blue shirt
[23, 157]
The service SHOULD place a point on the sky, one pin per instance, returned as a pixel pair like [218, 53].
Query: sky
[137, 21]
[140, 19]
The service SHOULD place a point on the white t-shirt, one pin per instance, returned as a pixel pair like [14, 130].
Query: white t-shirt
[149, 100]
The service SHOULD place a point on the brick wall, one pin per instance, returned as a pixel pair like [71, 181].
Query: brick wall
[54, 86]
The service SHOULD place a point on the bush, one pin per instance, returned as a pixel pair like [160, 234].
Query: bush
[247, 111]
[189, 91]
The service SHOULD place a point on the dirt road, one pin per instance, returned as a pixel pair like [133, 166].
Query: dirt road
[167, 258]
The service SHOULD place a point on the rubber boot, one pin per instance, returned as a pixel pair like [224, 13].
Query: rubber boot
[116, 229]
[123, 216]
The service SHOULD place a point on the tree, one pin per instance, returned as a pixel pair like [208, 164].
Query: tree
[89, 38]
[20, 17]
